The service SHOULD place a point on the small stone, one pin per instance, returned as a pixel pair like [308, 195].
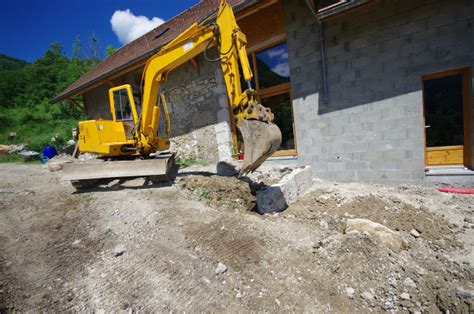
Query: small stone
[415, 233]
[220, 269]
[408, 282]
[466, 226]
[388, 304]
[323, 225]
[392, 281]
[367, 296]
[463, 293]
[350, 292]
[119, 250]
[238, 295]
[468, 220]
[405, 296]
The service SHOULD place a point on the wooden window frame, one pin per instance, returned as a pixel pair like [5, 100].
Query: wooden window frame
[466, 75]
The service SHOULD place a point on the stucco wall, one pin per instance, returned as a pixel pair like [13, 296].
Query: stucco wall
[372, 127]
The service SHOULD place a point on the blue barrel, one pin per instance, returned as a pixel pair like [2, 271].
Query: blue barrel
[49, 152]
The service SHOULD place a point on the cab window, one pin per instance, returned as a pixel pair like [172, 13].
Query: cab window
[123, 109]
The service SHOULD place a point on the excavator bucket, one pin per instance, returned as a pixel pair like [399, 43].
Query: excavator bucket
[261, 140]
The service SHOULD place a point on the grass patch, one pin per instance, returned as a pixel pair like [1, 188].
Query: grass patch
[15, 158]
[187, 162]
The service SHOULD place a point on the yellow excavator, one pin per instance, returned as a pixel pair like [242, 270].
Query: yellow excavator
[133, 141]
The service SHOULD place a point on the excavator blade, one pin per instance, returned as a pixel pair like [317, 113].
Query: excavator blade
[261, 140]
[87, 174]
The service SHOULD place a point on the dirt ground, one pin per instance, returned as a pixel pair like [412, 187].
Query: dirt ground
[132, 246]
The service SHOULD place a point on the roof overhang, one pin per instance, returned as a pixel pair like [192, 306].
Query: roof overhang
[341, 6]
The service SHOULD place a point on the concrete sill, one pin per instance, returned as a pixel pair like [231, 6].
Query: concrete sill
[448, 171]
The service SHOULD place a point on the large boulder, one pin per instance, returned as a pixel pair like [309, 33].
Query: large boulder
[277, 197]
[380, 233]
[228, 167]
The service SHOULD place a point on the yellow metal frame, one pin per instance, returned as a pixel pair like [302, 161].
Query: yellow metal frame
[128, 88]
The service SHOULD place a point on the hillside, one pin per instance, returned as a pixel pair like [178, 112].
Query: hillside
[25, 92]
[10, 63]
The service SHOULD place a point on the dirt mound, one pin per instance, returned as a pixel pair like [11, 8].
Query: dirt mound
[223, 193]
[420, 278]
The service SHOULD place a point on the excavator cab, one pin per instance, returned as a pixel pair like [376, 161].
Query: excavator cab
[123, 108]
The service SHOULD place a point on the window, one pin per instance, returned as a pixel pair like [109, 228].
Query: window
[281, 108]
[272, 81]
[272, 66]
[123, 110]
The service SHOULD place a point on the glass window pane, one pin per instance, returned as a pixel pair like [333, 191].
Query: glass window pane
[123, 110]
[283, 111]
[272, 66]
[444, 111]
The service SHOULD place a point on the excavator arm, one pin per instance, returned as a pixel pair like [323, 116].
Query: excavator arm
[261, 137]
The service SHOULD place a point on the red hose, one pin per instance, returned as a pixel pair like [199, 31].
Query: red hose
[457, 191]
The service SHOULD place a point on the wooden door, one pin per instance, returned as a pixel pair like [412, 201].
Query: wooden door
[446, 117]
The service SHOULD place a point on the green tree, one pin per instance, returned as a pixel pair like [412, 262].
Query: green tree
[109, 50]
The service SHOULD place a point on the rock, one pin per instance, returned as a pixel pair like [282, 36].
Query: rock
[5, 149]
[350, 292]
[277, 197]
[405, 296]
[408, 282]
[378, 232]
[228, 167]
[57, 163]
[392, 281]
[415, 233]
[11, 135]
[238, 295]
[119, 250]
[87, 156]
[367, 296]
[323, 225]
[468, 220]
[220, 269]
[388, 304]
[463, 293]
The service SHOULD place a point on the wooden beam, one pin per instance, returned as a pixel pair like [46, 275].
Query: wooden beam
[74, 102]
[255, 8]
[111, 83]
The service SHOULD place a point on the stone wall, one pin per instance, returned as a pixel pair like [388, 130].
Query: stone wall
[199, 113]
[372, 127]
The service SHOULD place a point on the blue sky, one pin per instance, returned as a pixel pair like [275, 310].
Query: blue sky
[29, 26]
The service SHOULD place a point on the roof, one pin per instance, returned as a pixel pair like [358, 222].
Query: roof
[145, 46]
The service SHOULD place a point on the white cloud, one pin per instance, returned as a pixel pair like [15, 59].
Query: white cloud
[280, 53]
[128, 26]
[282, 69]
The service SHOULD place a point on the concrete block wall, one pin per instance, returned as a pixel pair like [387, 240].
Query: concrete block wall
[372, 127]
[197, 100]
